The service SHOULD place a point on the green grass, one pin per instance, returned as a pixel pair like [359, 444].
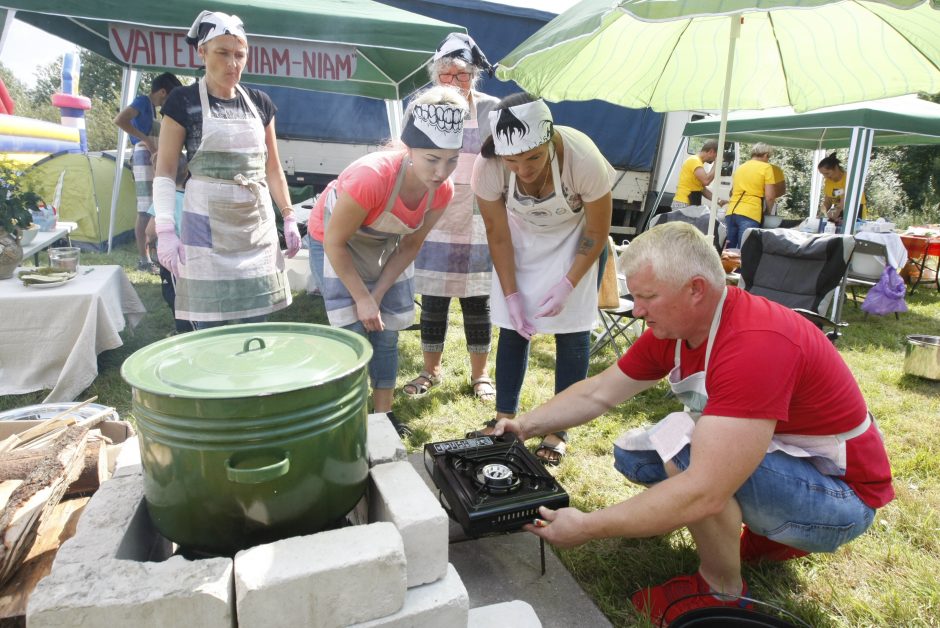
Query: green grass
[890, 576]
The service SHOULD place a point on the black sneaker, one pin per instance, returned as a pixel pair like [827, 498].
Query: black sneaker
[403, 430]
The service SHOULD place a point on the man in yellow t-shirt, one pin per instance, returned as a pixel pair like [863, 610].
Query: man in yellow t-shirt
[693, 179]
[752, 187]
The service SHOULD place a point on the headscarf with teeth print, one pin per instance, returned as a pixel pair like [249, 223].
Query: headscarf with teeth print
[434, 126]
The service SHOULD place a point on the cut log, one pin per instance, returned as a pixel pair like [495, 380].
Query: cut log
[18, 464]
[39, 493]
[93, 473]
[54, 530]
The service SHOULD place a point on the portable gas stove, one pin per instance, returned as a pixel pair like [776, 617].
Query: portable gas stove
[491, 484]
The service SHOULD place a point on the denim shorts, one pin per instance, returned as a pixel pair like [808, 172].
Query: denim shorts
[383, 367]
[786, 498]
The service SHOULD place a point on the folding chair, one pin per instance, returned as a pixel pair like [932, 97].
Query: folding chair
[803, 271]
[616, 323]
[866, 267]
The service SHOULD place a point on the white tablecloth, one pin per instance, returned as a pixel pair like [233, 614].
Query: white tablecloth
[897, 254]
[52, 336]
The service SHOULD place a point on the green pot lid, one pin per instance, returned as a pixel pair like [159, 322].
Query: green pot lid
[246, 360]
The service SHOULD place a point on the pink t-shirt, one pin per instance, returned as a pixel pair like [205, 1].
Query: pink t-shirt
[768, 362]
[370, 180]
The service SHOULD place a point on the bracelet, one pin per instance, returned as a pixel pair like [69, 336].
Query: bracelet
[285, 214]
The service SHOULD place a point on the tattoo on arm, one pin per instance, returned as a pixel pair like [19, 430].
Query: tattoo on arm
[585, 245]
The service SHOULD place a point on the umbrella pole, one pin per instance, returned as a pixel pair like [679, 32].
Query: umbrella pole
[723, 125]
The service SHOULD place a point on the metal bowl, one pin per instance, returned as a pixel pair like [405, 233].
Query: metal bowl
[923, 356]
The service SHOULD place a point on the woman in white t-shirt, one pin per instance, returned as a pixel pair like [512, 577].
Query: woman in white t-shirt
[544, 193]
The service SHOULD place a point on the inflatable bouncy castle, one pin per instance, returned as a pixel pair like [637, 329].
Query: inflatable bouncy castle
[26, 141]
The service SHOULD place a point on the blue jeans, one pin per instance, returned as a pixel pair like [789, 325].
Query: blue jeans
[512, 361]
[736, 226]
[383, 367]
[237, 321]
[786, 498]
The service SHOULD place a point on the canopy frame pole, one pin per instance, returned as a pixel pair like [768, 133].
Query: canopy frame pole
[8, 15]
[856, 171]
[662, 187]
[130, 78]
[394, 111]
[723, 125]
[816, 184]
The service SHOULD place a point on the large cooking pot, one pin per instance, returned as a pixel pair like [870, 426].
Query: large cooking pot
[923, 356]
[251, 433]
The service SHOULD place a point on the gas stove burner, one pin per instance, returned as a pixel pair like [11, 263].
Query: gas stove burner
[496, 477]
[491, 484]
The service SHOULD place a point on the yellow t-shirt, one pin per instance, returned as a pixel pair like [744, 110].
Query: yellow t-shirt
[747, 188]
[688, 182]
[836, 189]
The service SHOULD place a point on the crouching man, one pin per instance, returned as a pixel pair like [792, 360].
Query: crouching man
[775, 432]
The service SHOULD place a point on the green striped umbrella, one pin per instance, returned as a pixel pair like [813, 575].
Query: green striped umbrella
[672, 55]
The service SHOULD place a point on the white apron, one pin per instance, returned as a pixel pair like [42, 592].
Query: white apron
[454, 260]
[545, 237]
[370, 247]
[233, 264]
[671, 434]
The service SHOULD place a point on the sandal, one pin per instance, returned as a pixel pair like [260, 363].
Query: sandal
[421, 384]
[478, 433]
[560, 448]
[483, 388]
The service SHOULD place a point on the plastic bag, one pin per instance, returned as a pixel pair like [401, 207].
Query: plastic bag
[886, 296]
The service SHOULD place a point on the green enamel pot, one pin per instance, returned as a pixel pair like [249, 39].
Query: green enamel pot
[251, 433]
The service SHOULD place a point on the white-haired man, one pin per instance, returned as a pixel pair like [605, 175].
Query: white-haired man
[775, 434]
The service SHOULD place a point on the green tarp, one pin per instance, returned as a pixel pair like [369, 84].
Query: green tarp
[900, 121]
[392, 46]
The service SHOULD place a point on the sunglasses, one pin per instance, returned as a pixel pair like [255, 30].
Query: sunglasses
[449, 78]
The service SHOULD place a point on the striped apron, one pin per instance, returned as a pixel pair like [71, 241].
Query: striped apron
[142, 162]
[371, 247]
[454, 260]
[233, 266]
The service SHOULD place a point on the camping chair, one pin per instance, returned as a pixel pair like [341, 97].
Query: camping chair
[803, 271]
[617, 323]
[866, 267]
[698, 216]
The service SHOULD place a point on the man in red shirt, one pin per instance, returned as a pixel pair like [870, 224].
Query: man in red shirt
[775, 432]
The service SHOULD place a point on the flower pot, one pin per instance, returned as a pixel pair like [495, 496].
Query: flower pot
[28, 234]
[11, 254]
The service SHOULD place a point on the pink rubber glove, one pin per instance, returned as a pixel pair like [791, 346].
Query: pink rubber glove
[554, 300]
[520, 323]
[170, 249]
[291, 235]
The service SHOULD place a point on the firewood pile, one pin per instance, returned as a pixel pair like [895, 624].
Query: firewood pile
[60, 457]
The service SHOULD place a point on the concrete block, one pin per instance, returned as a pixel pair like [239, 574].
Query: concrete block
[441, 603]
[383, 442]
[128, 461]
[115, 525]
[116, 593]
[515, 614]
[398, 495]
[325, 580]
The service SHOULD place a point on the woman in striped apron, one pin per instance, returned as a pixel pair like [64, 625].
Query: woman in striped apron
[227, 260]
[367, 226]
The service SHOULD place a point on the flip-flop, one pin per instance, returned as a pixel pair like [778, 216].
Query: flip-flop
[486, 390]
[561, 448]
[421, 384]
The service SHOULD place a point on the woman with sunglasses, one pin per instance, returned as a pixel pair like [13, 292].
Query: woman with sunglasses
[455, 260]
[544, 193]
